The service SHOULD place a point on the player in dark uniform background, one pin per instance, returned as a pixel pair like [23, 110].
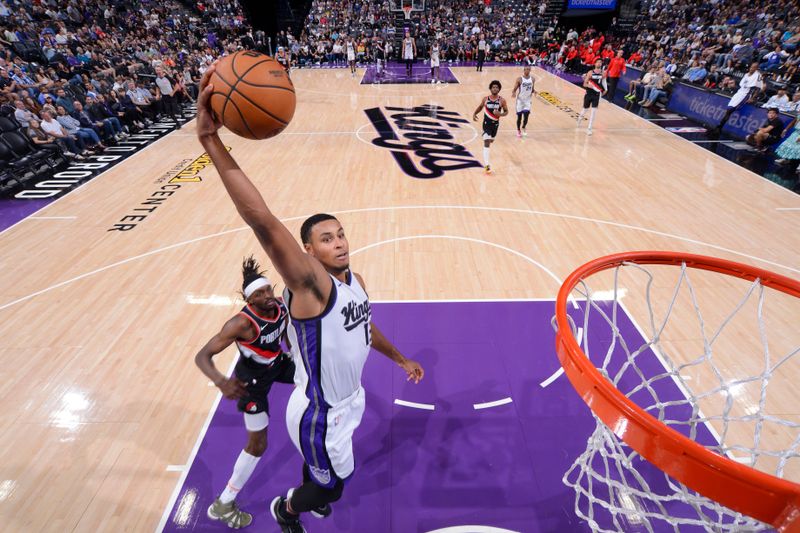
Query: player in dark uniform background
[594, 82]
[257, 331]
[494, 107]
[380, 58]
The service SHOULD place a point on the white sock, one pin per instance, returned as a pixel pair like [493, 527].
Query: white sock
[486, 156]
[591, 116]
[242, 470]
[583, 112]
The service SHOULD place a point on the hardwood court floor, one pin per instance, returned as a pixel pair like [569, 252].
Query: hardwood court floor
[98, 392]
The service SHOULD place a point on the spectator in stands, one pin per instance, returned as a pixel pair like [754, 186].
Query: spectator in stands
[73, 144]
[778, 101]
[768, 134]
[125, 110]
[644, 81]
[696, 73]
[23, 115]
[635, 58]
[793, 106]
[789, 149]
[142, 98]
[44, 141]
[72, 126]
[63, 100]
[102, 117]
[103, 129]
[772, 61]
[656, 89]
[743, 53]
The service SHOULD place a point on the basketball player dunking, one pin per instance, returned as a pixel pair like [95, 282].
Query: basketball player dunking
[351, 55]
[435, 62]
[331, 332]
[594, 82]
[526, 90]
[409, 52]
[257, 331]
[494, 107]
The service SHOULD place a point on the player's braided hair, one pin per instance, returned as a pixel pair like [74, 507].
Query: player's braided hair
[250, 271]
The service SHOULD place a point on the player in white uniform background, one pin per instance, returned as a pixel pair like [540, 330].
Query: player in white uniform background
[409, 52]
[435, 62]
[523, 91]
[331, 333]
[351, 55]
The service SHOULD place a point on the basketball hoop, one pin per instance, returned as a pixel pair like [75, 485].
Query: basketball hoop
[712, 486]
[407, 11]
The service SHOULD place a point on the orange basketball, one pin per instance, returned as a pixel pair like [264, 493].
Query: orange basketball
[253, 95]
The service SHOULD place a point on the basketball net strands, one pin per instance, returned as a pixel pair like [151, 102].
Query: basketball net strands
[711, 439]
[407, 6]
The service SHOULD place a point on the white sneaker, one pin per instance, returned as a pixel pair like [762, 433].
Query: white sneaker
[524, 133]
[589, 131]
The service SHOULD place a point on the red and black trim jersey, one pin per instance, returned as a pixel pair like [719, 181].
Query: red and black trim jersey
[492, 108]
[266, 345]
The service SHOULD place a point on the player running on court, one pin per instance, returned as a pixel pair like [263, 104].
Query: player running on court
[494, 107]
[257, 331]
[523, 91]
[594, 82]
[331, 333]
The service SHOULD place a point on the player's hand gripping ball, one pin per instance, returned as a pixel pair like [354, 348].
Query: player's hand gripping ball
[253, 95]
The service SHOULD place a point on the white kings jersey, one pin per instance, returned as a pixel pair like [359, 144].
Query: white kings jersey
[408, 48]
[525, 88]
[330, 350]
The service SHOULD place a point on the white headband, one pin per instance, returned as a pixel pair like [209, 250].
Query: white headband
[254, 285]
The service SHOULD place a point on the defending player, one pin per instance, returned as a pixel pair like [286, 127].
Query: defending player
[257, 331]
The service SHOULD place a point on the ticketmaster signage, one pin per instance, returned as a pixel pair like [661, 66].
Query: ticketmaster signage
[591, 4]
[708, 107]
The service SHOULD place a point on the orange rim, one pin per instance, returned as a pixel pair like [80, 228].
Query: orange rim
[764, 497]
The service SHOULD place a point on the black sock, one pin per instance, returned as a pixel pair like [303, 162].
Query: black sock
[283, 511]
[519, 120]
[525, 121]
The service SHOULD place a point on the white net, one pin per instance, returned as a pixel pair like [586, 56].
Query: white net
[719, 375]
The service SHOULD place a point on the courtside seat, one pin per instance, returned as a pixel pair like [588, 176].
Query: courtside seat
[21, 146]
[8, 123]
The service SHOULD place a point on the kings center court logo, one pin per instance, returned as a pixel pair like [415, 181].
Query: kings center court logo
[422, 139]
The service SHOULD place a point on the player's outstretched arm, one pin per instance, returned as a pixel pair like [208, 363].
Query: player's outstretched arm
[299, 270]
[235, 328]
